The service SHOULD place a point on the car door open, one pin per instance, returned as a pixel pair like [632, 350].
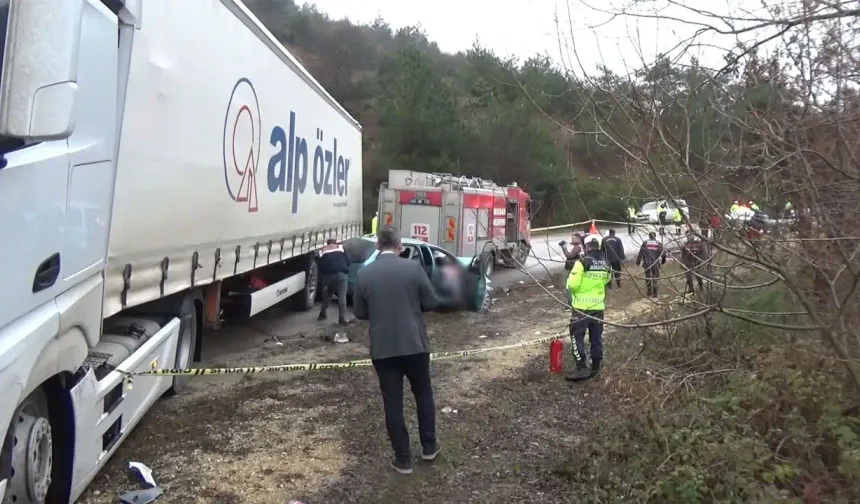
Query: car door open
[477, 284]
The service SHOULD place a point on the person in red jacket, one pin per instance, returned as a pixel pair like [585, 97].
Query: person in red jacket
[716, 224]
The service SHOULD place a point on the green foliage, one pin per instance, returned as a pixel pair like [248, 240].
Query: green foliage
[419, 127]
[745, 418]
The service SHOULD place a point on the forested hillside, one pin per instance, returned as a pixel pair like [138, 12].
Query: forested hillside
[470, 113]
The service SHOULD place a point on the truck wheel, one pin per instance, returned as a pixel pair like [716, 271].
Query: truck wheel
[515, 256]
[186, 345]
[31, 445]
[304, 301]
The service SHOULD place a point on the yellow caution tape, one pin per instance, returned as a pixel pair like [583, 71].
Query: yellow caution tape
[328, 365]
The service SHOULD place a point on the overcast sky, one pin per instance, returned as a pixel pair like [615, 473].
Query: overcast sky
[524, 27]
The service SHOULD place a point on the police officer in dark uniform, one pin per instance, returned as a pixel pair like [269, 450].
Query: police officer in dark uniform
[613, 250]
[651, 256]
[693, 256]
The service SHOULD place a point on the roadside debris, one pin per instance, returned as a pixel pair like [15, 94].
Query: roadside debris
[142, 496]
[144, 472]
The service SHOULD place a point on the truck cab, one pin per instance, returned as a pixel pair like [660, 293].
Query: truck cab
[62, 69]
[124, 222]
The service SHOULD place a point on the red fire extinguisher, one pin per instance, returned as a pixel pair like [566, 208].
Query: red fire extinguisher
[556, 353]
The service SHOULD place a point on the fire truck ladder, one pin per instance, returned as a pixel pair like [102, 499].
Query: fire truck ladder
[458, 183]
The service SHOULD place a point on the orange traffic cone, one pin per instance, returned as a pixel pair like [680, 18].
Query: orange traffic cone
[593, 229]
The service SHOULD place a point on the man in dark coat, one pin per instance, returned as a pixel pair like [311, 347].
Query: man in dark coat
[651, 256]
[393, 293]
[613, 251]
[693, 256]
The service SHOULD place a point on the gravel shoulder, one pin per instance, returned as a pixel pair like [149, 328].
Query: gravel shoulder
[319, 437]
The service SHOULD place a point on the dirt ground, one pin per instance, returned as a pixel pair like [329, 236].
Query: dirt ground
[505, 423]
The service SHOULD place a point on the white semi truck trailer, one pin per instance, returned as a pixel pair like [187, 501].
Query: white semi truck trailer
[162, 162]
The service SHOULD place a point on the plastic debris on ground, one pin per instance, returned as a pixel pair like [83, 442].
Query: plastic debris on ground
[142, 496]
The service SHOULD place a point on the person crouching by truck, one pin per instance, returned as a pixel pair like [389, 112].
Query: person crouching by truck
[587, 285]
[333, 268]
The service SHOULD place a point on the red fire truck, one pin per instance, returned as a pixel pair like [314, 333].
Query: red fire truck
[466, 216]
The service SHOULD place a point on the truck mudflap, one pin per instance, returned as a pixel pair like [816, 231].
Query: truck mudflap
[106, 409]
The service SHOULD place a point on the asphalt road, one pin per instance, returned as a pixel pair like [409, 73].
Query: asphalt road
[547, 259]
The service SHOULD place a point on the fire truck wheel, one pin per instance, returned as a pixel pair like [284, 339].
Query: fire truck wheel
[31, 446]
[515, 256]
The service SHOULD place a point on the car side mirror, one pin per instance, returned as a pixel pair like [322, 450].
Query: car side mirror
[38, 83]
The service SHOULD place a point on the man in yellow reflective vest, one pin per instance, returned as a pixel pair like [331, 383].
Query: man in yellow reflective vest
[631, 217]
[679, 219]
[374, 223]
[587, 285]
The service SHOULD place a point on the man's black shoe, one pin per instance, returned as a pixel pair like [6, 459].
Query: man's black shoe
[431, 451]
[579, 374]
[402, 466]
[595, 369]
[322, 317]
